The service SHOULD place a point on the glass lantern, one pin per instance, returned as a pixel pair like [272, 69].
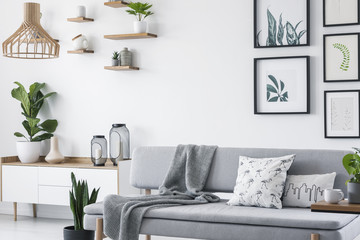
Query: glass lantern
[119, 143]
[99, 150]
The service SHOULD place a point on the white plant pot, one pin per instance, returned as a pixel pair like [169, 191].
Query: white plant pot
[28, 152]
[140, 26]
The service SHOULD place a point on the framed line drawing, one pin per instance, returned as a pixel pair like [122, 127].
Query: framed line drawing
[342, 115]
[340, 13]
[282, 85]
[281, 23]
[341, 57]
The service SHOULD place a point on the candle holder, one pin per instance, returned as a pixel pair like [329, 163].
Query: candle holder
[119, 143]
[99, 150]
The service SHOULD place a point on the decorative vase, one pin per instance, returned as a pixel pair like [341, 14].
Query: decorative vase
[140, 26]
[54, 155]
[119, 143]
[125, 57]
[80, 42]
[81, 11]
[115, 62]
[28, 152]
[71, 234]
[353, 192]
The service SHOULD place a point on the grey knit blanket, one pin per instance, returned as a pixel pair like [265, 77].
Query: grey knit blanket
[182, 185]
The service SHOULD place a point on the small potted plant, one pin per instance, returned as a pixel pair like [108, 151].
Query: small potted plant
[115, 59]
[141, 11]
[79, 198]
[31, 104]
[351, 163]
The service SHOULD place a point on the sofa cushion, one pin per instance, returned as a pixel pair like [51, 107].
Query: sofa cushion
[94, 209]
[222, 213]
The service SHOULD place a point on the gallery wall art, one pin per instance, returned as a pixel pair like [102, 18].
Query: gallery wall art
[341, 57]
[281, 85]
[342, 116]
[281, 23]
[340, 12]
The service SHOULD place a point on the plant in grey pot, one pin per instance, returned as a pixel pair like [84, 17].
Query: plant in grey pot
[31, 104]
[141, 11]
[115, 59]
[351, 163]
[79, 198]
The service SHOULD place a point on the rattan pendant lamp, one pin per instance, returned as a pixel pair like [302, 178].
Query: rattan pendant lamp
[31, 41]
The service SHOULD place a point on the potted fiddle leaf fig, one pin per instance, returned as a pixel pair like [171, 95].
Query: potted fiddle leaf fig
[141, 11]
[79, 198]
[351, 163]
[31, 104]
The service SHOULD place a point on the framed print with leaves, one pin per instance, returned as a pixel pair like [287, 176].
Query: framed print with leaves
[282, 85]
[340, 12]
[341, 57]
[342, 115]
[281, 23]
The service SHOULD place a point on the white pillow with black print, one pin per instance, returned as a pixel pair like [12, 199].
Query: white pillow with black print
[304, 190]
[261, 181]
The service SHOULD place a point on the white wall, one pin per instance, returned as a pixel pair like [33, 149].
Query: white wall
[195, 84]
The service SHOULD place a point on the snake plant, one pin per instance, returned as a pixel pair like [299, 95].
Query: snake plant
[79, 198]
[31, 103]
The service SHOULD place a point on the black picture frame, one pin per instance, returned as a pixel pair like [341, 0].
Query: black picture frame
[326, 121]
[340, 24]
[306, 81]
[325, 58]
[307, 17]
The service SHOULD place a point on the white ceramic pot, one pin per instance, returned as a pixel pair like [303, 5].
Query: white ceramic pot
[140, 26]
[54, 155]
[80, 42]
[28, 152]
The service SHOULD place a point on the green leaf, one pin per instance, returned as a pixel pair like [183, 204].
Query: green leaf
[274, 99]
[21, 95]
[280, 34]
[257, 39]
[42, 137]
[271, 40]
[273, 79]
[268, 95]
[297, 25]
[286, 95]
[33, 122]
[27, 127]
[35, 88]
[35, 108]
[49, 125]
[271, 88]
[347, 160]
[282, 85]
[46, 96]
[17, 134]
[291, 36]
[301, 34]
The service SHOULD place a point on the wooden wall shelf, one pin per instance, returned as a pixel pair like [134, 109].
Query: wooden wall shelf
[80, 51]
[121, 68]
[130, 36]
[80, 19]
[116, 4]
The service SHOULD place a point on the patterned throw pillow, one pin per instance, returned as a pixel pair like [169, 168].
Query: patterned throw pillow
[304, 190]
[260, 181]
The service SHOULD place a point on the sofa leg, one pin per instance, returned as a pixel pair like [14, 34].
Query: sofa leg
[99, 229]
[15, 211]
[315, 236]
[148, 192]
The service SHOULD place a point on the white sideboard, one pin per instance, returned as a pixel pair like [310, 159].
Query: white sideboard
[43, 183]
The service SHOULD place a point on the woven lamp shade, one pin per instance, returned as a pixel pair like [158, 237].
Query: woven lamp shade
[31, 41]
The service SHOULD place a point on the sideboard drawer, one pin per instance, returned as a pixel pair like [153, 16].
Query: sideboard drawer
[54, 195]
[55, 176]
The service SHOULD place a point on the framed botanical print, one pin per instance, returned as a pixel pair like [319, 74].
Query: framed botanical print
[341, 57]
[282, 85]
[340, 12]
[342, 115]
[281, 23]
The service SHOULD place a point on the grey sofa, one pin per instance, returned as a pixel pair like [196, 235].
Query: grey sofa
[218, 221]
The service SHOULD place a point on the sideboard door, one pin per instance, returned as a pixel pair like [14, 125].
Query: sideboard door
[20, 184]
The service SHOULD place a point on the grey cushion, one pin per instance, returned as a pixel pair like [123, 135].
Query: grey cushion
[222, 213]
[150, 164]
[94, 209]
[90, 221]
[220, 231]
